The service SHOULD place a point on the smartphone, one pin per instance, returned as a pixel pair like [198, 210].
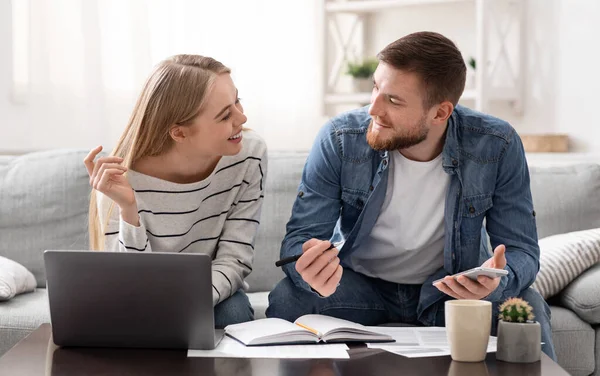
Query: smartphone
[476, 272]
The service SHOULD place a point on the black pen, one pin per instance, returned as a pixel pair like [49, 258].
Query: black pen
[295, 258]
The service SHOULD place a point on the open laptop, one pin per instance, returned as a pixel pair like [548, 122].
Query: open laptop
[131, 299]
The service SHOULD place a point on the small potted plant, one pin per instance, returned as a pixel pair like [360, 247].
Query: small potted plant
[471, 66]
[362, 74]
[519, 337]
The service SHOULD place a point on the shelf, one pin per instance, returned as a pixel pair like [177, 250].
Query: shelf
[368, 6]
[349, 43]
[469, 94]
[348, 98]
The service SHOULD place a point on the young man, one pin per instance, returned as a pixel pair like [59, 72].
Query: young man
[406, 183]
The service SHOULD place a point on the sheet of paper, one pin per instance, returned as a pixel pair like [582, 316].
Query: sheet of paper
[416, 342]
[423, 351]
[230, 348]
[404, 336]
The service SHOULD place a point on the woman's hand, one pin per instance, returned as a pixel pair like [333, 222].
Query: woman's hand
[106, 176]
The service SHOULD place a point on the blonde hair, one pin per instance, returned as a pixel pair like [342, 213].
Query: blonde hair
[174, 93]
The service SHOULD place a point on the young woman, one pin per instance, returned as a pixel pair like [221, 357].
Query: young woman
[185, 177]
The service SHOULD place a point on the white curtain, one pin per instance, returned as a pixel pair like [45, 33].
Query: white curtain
[78, 65]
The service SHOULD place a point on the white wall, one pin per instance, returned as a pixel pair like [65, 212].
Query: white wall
[272, 56]
[457, 21]
[562, 80]
[562, 89]
[578, 78]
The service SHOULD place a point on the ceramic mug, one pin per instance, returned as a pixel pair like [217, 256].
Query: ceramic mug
[468, 325]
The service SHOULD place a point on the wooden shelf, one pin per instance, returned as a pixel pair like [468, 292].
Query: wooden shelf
[469, 94]
[368, 6]
[545, 143]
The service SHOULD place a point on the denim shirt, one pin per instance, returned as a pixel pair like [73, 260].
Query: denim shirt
[344, 184]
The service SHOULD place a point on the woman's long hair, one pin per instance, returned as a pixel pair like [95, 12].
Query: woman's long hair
[174, 93]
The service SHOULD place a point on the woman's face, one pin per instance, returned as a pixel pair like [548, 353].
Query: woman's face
[217, 130]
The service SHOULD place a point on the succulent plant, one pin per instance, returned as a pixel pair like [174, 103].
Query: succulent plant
[516, 310]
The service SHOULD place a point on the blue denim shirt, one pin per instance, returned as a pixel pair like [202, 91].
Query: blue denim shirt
[344, 184]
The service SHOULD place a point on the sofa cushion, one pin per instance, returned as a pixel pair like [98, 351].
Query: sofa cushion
[259, 302]
[597, 371]
[15, 279]
[20, 316]
[574, 342]
[564, 257]
[566, 198]
[582, 296]
[283, 178]
[44, 198]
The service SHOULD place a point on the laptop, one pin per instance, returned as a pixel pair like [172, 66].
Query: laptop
[131, 299]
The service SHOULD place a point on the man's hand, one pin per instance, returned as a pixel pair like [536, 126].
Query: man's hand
[465, 288]
[319, 267]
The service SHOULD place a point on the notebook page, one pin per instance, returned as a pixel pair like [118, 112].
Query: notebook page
[325, 324]
[263, 328]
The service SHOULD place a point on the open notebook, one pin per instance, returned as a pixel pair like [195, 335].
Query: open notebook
[306, 329]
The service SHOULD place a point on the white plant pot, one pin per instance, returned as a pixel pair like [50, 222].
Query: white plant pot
[519, 342]
[470, 81]
[362, 85]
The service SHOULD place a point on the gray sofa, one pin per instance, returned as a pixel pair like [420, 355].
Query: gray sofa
[44, 202]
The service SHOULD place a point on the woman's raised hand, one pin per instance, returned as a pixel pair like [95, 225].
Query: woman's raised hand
[106, 176]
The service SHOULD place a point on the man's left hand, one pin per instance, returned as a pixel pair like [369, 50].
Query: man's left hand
[465, 288]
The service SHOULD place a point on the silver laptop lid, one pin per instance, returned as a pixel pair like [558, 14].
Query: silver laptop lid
[130, 299]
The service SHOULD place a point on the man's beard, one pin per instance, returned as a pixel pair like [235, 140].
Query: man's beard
[396, 141]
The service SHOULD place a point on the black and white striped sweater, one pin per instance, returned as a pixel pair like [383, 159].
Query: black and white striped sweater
[218, 216]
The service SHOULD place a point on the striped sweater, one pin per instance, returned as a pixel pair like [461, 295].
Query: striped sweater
[218, 216]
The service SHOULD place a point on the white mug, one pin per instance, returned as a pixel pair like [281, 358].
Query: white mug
[468, 325]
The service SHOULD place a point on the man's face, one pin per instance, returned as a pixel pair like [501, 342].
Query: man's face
[399, 120]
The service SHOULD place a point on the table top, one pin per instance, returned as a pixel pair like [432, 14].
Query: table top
[37, 355]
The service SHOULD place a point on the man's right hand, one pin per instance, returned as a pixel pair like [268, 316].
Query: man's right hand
[319, 267]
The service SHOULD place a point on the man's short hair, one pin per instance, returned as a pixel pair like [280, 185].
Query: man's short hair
[435, 59]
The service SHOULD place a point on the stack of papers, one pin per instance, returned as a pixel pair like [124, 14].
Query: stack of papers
[230, 348]
[411, 342]
[417, 342]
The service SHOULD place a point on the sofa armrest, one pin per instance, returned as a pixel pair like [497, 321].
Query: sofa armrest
[582, 296]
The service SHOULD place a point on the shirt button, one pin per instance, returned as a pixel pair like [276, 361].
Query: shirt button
[471, 209]
[453, 256]
[533, 213]
[300, 194]
[454, 162]
[371, 189]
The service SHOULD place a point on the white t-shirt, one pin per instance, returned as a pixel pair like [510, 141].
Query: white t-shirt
[406, 244]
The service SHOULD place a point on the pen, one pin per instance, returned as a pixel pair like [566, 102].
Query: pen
[295, 258]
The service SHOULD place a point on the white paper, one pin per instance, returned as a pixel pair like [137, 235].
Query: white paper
[230, 348]
[417, 342]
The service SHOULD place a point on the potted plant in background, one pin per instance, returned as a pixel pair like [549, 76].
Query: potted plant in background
[471, 66]
[362, 74]
[519, 337]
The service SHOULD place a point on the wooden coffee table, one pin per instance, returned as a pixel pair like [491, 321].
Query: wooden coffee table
[37, 355]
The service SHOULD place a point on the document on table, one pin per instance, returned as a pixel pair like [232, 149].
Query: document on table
[230, 348]
[417, 342]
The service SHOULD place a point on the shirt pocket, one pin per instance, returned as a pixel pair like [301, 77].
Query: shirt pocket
[353, 202]
[474, 209]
